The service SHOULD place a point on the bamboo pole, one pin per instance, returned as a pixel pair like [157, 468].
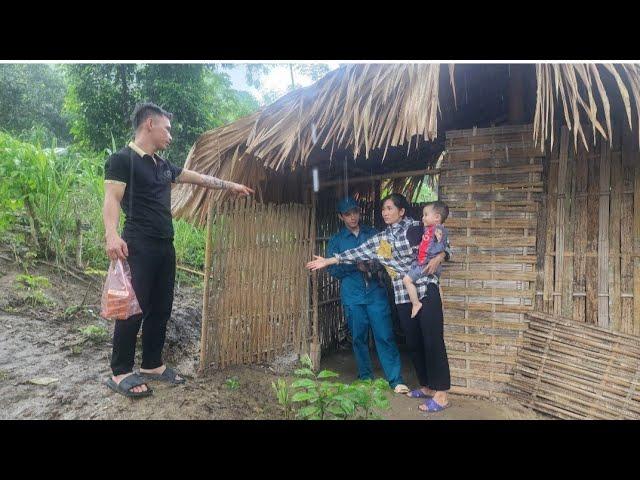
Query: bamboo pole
[561, 218]
[371, 178]
[185, 269]
[615, 299]
[592, 232]
[636, 248]
[603, 236]
[314, 350]
[204, 334]
[627, 235]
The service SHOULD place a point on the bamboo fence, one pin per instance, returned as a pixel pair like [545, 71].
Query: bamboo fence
[256, 293]
[575, 371]
[491, 180]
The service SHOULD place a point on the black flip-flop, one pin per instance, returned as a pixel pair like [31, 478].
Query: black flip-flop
[169, 376]
[126, 384]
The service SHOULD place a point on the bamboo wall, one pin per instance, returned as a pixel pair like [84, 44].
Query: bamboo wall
[256, 293]
[589, 234]
[491, 180]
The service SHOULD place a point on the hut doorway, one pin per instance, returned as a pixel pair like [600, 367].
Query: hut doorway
[419, 185]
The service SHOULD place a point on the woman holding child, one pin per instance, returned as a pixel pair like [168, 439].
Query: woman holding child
[396, 248]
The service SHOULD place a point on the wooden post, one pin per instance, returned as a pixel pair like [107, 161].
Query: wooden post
[314, 350]
[79, 244]
[204, 335]
[626, 231]
[569, 234]
[376, 203]
[516, 95]
[615, 304]
[603, 236]
[550, 244]
[636, 248]
[561, 221]
[591, 263]
[580, 241]
[541, 237]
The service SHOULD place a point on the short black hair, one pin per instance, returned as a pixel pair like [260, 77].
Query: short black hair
[440, 208]
[146, 110]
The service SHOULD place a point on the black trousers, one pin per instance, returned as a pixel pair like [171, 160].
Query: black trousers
[425, 340]
[153, 272]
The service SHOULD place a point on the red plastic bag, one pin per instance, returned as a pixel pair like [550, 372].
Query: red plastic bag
[119, 301]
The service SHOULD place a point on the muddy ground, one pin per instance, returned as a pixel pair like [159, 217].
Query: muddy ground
[44, 342]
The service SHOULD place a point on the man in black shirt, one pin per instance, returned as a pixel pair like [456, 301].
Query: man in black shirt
[139, 181]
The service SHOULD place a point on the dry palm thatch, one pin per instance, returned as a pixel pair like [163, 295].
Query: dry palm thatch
[570, 83]
[357, 107]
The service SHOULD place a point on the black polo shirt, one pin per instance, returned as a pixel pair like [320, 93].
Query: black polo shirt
[152, 178]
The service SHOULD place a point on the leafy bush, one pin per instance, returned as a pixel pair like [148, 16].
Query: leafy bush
[48, 190]
[32, 285]
[51, 188]
[232, 383]
[320, 399]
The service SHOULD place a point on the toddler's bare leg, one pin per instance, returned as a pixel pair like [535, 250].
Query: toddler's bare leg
[413, 295]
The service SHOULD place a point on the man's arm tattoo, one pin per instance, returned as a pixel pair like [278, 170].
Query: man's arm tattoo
[213, 182]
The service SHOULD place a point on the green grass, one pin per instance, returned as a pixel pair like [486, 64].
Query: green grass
[32, 282]
[95, 333]
[232, 383]
[189, 242]
[32, 286]
[46, 192]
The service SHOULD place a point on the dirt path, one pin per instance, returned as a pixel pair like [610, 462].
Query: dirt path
[41, 342]
[31, 348]
[404, 408]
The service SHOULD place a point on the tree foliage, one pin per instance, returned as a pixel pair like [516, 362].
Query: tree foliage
[99, 101]
[101, 98]
[91, 104]
[31, 97]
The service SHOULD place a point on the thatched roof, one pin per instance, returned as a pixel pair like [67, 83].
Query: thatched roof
[358, 108]
[368, 110]
[579, 88]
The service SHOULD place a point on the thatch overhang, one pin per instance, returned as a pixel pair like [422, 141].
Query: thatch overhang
[388, 117]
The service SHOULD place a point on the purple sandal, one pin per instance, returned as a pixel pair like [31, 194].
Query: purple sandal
[418, 394]
[433, 406]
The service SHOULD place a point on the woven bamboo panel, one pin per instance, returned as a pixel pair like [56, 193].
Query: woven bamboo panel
[572, 370]
[492, 182]
[256, 299]
[588, 247]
